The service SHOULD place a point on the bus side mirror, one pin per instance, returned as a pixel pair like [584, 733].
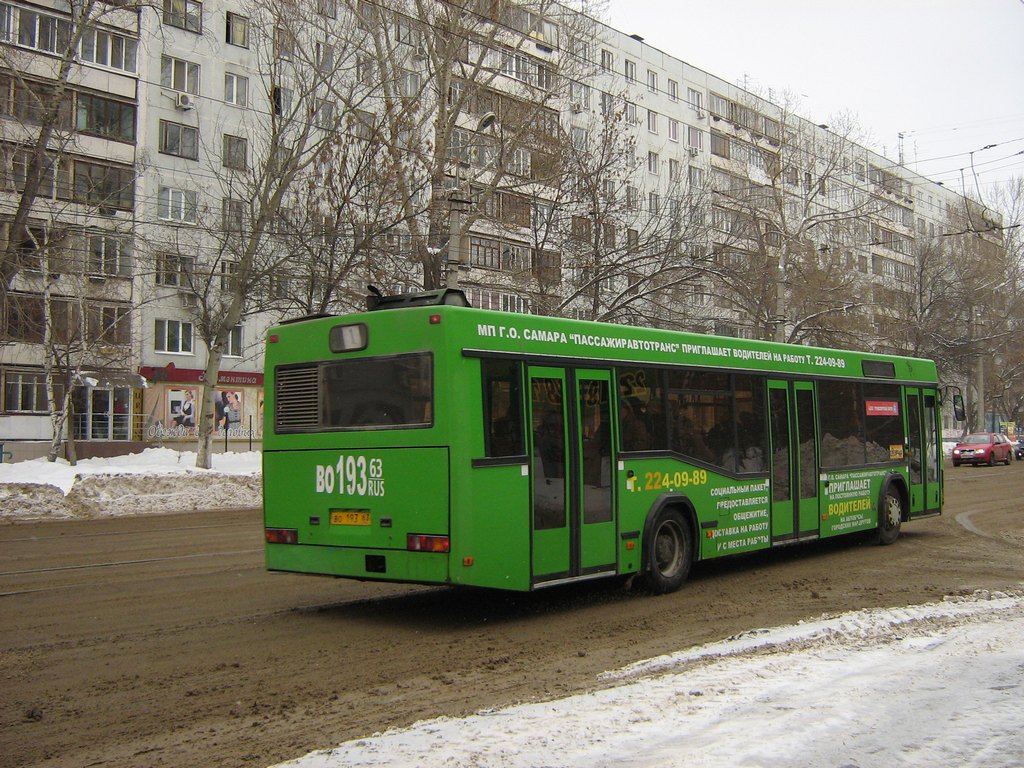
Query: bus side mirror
[958, 407]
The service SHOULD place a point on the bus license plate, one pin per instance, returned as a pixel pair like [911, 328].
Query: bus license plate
[350, 517]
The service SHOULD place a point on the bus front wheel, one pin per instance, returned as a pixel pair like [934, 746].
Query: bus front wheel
[670, 552]
[890, 516]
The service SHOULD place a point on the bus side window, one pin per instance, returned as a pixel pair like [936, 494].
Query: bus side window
[503, 408]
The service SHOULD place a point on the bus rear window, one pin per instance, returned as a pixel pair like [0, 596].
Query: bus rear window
[377, 392]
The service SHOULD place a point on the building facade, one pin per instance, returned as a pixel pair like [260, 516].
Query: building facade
[221, 159]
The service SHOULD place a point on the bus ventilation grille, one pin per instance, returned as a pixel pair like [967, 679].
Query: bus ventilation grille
[296, 398]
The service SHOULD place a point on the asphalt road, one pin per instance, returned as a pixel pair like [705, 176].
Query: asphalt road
[161, 641]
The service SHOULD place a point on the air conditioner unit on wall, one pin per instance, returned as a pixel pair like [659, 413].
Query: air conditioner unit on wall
[694, 151]
[184, 101]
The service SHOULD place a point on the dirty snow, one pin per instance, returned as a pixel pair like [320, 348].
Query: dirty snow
[154, 481]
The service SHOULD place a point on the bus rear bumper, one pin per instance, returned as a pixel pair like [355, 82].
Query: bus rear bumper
[356, 563]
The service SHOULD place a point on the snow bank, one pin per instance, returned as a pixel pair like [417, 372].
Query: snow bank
[158, 480]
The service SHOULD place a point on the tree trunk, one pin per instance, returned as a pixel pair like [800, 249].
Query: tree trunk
[208, 409]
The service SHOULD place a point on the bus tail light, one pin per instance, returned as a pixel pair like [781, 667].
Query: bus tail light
[419, 542]
[282, 536]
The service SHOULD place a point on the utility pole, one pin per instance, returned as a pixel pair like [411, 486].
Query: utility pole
[979, 405]
[456, 251]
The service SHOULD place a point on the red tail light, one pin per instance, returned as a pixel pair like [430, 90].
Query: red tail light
[419, 542]
[282, 536]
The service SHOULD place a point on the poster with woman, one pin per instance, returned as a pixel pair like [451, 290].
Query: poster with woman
[228, 411]
[181, 411]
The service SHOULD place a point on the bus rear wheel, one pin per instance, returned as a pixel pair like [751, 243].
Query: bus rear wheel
[670, 552]
[890, 516]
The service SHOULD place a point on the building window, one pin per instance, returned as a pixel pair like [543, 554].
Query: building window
[235, 152]
[484, 252]
[110, 119]
[179, 75]
[236, 89]
[653, 162]
[173, 270]
[718, 105]
[632, 197]
[673, 90]
[694, 137]
[282, 100]
[653, 203]
[607, 61]
[228, 275]
[30, 29]
[284, 43]
[108, 256]
[579, 96]
[25, 392]
[237, 30]
[323, 115]
[234, 215]
[631, 117]
[172, 336]
[579, 138]
[673, 130]
[695, 99]
[179, 140]
[108, 324]
[184, 14]
[719, 144]
[176, 205]
[234, 345]
[328, 8]
[652, 121]
[652, 81]
[105, 186]
[108, 50]
[673, 169]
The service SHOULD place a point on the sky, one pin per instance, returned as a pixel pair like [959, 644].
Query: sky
[917, 686]
[945, 73]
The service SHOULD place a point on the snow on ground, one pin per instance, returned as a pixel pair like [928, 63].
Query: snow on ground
[931, 685]
[156, 480]
[940, 684]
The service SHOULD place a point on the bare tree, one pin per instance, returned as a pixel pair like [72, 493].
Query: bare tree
[790, 211]
[468, 92]
[627, 246]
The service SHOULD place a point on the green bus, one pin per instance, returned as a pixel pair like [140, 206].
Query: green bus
[424, 441]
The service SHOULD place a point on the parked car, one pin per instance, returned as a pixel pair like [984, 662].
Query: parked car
[983, 448]
[1018, 448]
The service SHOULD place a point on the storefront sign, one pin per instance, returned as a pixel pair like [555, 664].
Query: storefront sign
[171, 373]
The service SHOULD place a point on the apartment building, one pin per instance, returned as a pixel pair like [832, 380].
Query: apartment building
[546, 163]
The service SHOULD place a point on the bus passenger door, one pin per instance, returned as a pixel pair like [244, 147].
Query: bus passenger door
[794, 464]
[924, 456]
[807, 460]
[573, 520]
